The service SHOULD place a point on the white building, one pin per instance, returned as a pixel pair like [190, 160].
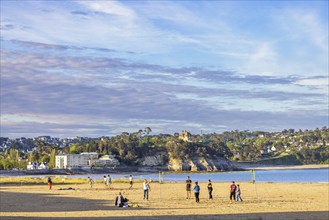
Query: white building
[106, 160]
[43, 166]
[65, 161]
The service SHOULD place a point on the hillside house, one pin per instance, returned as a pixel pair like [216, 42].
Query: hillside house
[32, 166]
[43, 166]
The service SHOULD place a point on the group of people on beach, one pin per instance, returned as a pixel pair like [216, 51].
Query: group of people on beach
[107, 180]
[235, 191]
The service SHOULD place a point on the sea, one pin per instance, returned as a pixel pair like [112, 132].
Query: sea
[318, 175]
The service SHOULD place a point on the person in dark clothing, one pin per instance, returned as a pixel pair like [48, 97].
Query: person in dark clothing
[196, 190]
[119, 200]
[210, 189]
[50, 183]
[188, 187]
[232, 191]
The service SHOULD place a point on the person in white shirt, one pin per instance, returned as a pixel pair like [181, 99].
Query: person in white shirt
[131, 181]
[147, 188]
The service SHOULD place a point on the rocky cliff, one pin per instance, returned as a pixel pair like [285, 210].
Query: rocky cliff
[200, 164]
[194, 164]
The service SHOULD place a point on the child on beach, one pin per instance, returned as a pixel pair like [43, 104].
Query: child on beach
[90, 182]
[238, 194]
[105, 181]
[50, 183]
[131, 181]
[188, 187]
[210, 189]
[196, 190]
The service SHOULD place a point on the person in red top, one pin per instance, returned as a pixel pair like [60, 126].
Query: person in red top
[50, 183]
[232, 191]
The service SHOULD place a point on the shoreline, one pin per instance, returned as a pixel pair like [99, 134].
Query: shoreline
[248, 166]
[239, 167]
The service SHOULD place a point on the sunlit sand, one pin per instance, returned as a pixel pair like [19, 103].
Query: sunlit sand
[167, 201]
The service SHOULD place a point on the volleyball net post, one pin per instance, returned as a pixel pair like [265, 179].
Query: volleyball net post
[161, 180]
[253, 180]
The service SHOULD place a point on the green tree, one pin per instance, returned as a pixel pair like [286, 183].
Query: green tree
[44, 158]
[52, 158]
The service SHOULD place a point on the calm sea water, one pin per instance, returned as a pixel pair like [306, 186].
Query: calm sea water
[294, 175]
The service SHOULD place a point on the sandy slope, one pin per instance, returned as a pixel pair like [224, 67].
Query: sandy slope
[167, 201]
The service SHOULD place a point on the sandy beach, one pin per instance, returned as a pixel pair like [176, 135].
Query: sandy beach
[167, 201]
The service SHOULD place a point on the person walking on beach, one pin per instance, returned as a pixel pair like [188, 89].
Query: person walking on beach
[90, 182]
[232, 191]
[50, 183]
[210, 189]
[188, 187]
[147, 188]
[131, 181]
[238, 194]
[108, 181]
[196, 190]
[105, 182]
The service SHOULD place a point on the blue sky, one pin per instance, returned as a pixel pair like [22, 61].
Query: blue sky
[94, 68]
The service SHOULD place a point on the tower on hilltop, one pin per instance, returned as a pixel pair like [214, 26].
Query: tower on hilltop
[185, 135]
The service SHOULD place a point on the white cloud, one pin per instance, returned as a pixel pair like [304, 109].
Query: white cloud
[305, 24]
[314, 82]
[263, 53]
[109, 7]
[69, 87]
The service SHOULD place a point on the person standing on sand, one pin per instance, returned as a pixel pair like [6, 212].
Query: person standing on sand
[131, 181]
[50, 183]
[196, 190]
[147, 188]
[105, 181]
[188, 187]
[210, 189]
[108, 180]
[238, 194]
[232, 191]
[90, 182]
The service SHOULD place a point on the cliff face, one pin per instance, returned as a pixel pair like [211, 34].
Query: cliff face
[156, 160]
[200, 164]
[194, 164]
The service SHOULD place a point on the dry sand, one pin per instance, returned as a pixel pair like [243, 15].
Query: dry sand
[167, 201]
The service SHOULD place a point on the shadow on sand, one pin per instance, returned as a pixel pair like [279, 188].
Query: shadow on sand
[253, 216]
[21, 202]
[26, 202]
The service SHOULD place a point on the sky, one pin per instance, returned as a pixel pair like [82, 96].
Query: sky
[99, 68]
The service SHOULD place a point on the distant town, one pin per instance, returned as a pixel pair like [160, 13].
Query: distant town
[180, 151]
